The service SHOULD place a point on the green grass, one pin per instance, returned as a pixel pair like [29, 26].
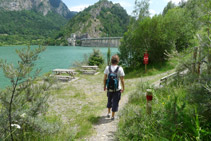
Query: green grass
[83, 119]
[77, 106]
[78, 109]
[172, 118]
[80, 106]
[151, 70]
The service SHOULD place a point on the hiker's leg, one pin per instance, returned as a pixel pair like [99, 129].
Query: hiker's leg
[109, 110]
[113, 114]
[116, 98]
[109, 104]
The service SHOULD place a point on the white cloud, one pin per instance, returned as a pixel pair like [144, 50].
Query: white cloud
[175, 1]
[79, 7]
[152, 12]
[124, 3]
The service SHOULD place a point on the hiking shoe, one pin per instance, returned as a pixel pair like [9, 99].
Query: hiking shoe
[112, 118]
[108, 116]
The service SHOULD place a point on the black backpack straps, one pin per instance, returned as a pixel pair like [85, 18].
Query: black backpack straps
[109, 68]
[116, 69]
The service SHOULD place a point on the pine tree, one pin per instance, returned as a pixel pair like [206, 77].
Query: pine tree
[108, 56]
[24, 101]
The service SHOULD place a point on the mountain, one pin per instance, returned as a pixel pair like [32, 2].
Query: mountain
[99, 20]
[28, 27]
[42, 6]
[31, 21]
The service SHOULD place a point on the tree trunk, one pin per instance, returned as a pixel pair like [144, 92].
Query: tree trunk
[209, 62]
[209, 55]
[199, 62]
[10, 108]
[10, 115]
[194, 60]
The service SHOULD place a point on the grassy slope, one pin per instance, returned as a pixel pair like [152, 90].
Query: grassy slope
[78, 104]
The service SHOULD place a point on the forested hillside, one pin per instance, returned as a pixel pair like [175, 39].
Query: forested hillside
[99, 20]
[31, 22]
[27, 27]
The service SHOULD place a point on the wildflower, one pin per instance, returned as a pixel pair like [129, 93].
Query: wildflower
[163, 103]
[23, 115]
[16, 125]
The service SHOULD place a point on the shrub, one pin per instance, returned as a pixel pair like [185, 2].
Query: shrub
[96, 58]
[172, 118]
[24, 103]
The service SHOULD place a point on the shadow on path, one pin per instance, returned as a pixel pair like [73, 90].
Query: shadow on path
[99, 120]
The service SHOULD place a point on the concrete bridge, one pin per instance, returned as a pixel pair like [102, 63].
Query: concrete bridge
[101, 42]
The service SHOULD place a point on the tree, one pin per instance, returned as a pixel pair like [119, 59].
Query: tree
[169, 6]
[129, 43]
[24, 102]
[96, 58]
[108, 56]
[141, 9]
[172, 31]
[179, 28]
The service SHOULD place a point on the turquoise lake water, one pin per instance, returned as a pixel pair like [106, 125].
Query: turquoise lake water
[54, 57]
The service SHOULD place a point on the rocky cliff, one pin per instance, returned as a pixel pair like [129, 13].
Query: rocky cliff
[99, 20]
[43, 6]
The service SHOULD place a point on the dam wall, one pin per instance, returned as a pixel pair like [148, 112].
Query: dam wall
[101, 42]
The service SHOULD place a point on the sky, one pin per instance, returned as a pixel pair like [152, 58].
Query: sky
[156, 6]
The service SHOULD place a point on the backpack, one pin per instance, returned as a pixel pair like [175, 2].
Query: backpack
[112, 82]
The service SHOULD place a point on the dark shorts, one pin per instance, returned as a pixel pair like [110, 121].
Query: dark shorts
[113, 100]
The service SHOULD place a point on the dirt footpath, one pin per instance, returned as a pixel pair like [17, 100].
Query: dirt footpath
[105, 129]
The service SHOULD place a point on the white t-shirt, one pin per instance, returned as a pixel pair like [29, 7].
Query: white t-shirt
[119, 73]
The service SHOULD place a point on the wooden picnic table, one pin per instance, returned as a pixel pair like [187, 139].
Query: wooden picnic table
[90, 67]
[63, 78]
[88, 71]
[67, 71]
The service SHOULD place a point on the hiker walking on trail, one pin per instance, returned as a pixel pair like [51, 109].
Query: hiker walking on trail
[114, 75]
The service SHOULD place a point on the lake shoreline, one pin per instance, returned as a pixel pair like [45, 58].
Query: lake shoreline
[51, 46]
[54, 57]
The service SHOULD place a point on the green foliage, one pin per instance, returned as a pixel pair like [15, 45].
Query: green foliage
[113, 21]
[151, 69]
[141, 9]
[160, 34]
[96, 58]
[172, 118]
[108, 56]
[28, 27]
[24, 103]
[181, 110]
[169, 6]
[74, 24]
